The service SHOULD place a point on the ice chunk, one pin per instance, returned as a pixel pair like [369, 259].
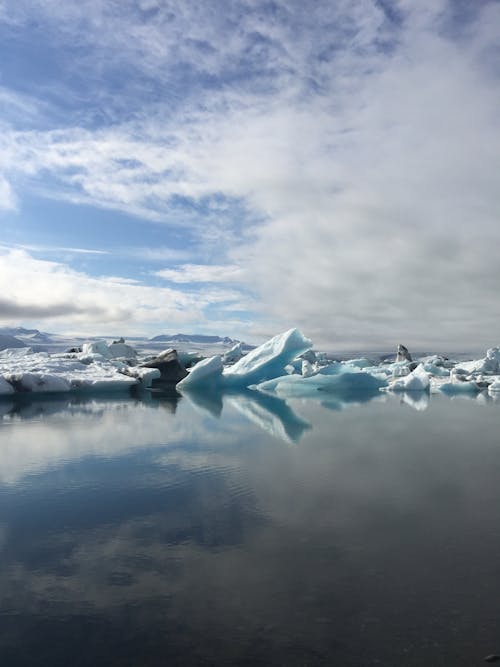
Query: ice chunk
[39, 382]
[435, 370]
[453, 388]
[345, 385]
[41, 372]
[307, 368]
[417, 380]
[206, 373]
[268, 360]
[489, 365]
[97, 347]
[494, 387]
[120, 350]
[358, 363]
[233, 355]
[144, 374]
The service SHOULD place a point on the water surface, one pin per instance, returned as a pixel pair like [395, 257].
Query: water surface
[243, 530]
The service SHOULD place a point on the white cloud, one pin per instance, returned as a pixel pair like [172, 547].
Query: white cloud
[201, 273]
[68, 300]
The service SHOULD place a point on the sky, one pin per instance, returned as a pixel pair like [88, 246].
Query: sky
[241, 167]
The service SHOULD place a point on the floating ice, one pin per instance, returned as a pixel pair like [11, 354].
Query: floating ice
[26, 371]
[494, 387]
[489, 365]
[207, 372]
[233, 355]
[465, 387]
[284, 366]
[417, 380]
[263, 363]
[344, 384]
[267, 360]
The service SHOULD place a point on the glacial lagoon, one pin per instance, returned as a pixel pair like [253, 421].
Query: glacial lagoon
[243, 529]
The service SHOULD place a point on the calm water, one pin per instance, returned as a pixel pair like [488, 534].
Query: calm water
[229, 531]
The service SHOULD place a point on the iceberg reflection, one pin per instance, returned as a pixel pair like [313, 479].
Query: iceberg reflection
[271, 414]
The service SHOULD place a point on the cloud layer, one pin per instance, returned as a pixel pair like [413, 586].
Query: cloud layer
[338, 162]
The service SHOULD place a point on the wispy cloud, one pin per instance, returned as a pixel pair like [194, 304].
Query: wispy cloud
[202, 273]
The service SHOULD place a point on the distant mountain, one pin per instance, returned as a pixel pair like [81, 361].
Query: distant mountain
[193, 338]
[8, 341]
[18, 331]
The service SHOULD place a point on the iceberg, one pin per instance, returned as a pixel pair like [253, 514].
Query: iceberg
[459, 387]
[490, 364]
[417, 380]
[263, 363]
[268, 360]
[494, 387]
[345, 384]
[94, 369]
[206, 373]
[233, 355]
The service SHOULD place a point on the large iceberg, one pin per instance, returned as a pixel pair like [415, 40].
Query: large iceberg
[263, 363]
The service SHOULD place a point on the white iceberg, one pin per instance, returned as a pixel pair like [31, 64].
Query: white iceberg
[207, 372]
[233, 355]
[417, 380]
[494, 387]
[490, 364]
[91, 370]
[454, 388]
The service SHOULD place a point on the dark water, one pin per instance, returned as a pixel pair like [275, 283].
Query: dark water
[230, 531]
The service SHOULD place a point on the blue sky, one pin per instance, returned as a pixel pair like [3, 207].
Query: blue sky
[243, 167]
